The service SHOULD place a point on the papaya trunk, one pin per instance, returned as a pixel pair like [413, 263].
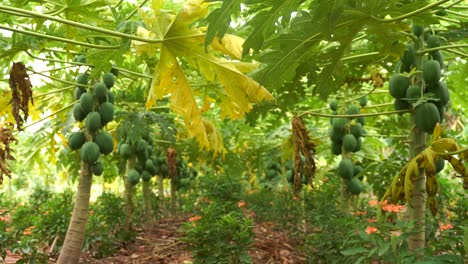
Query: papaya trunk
[75, 237]
[161, 191]
[148, 213]
[128, 197]
[417, 203]
[173, 197]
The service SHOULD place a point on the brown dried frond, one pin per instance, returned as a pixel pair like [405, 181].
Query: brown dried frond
[305, 147]
[21, 87]
[6, 138]
[171, 162]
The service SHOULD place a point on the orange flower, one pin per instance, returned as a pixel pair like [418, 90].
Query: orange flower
[295, 198]
[392, 208]
[371, 229]
[91, 212]
[359, 213]
[445, 227]
[28, 230]
[195, 218]
[251, 192]
[371, 220]
[373, 203]
[241, 204]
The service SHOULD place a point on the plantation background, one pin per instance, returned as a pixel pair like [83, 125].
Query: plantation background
[228, 113]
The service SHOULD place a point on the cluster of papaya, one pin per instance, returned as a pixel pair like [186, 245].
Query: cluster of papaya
[350, 173]
[96, 108]
[428, 96]
[346, 133]
[148, 163]
[273, 170]
[185, 175]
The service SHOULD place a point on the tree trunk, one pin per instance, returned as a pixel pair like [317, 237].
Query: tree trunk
[161, 192]
[75, 237]
[128, 209]
[417, 203]
[173, 197]
[147, 210]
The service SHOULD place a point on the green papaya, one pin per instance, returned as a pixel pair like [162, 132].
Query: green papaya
[78, 113]
[133, 176]
[81, 58]
[105, 142]
[426, 117]
[82, 79]
[100, 91]
[409, 58]
[333, 105]
[357, 169]
[125, 151]
[336, 148]
[89, 152]
[437, 56]
[356, 130]
[363, 101]
[349, 142]
[433, 42]
[115, 71]
[354, 186]
[352, 110]
[78, 92]
[345, 168]
[401, 104]
[76, 140]
[418, 30]
[441, 93]
[431, 72]
[413, 94]
[97, 168]
[146, 176]
[335, 136]
[93, 121]
[106, 110]
[87, 102]
[361, 120]
[108, 79]
[398, 85]
[439, 164]
[150, 167]
[110, 97]
[358, 144]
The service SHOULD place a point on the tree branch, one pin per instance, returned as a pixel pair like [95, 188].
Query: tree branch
[410, 14]
[423, 51]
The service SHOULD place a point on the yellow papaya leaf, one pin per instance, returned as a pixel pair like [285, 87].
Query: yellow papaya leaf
[230, 45]
[432, 204]
[457, 165]
[431, 185]
[437, 132]
[444, 145]
[174, 38]
[429, 161]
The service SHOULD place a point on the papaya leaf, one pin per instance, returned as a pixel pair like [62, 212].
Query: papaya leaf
[220, 18]
[180, 41]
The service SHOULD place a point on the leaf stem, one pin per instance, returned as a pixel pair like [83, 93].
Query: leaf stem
[451, 153]
[458, 52]
[410, 14]
[423, 51]
[77, 24]
[457, 14]
[358, 115]
[57, 79]
[54, 91]
[136, 9]
[39, 35]
[54, 113]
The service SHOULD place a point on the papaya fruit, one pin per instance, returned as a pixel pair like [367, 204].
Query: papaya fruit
[398, 85]
[150, 167]
[354, 186]
[82, 79]
[441, 112]
[413, 94]
[108, 79]
[87, 102]
[97, 168]
[363, 101]
[433, 41]
[141, 146]
[106, 110]
[431, 72]
[401, 104]
[441, 12]
[78, 92]
[89, 152]
[333, 105]
[110, 97]
[426, 117]
[76, 140]
[125, 151]
[93, 121]
[441, 94]
[356, 130]
[357, 169]
[345, 169]
[115, 71]
[358, 144]
[437, 56]
[418, 30]
[331, 118]
[339, 124]
[133, 176]
[105, 142]
[361, 120]
[146, 176]
[336, 148]
[78, 113]
[80, 58]
[409, 58]
[100, 91]
[349, 143]
[335, 136]
[352, 110]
